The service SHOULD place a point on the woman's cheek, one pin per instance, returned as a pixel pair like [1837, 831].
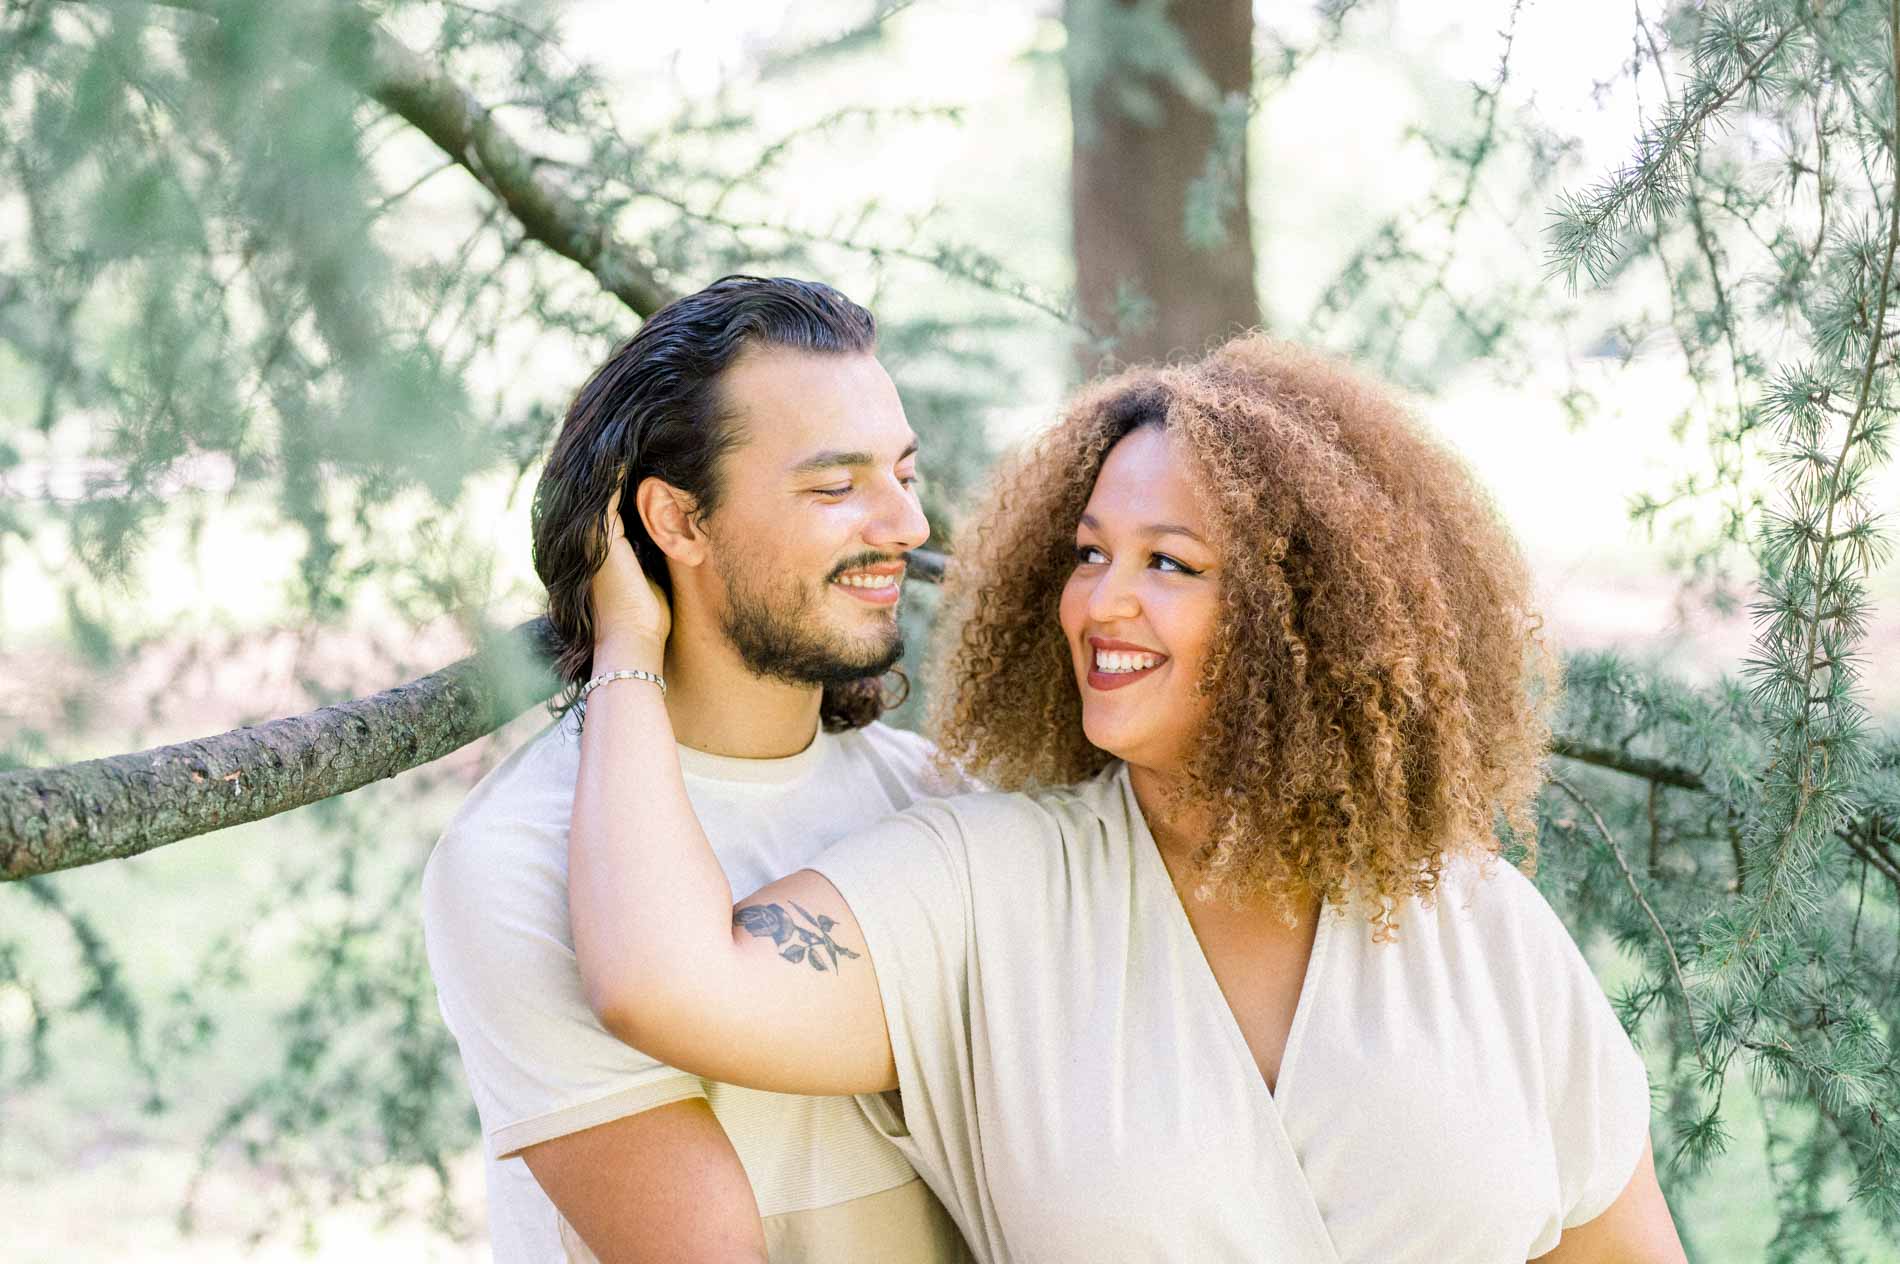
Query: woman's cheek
[1069, 609]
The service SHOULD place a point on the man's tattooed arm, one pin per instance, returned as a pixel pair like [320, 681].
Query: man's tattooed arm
[814, 945]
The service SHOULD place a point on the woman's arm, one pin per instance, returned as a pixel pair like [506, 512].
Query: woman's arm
[1635, 1229]
[776, 993]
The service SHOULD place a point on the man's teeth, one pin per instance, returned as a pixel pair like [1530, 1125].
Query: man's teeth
[868, 581]
[1105, 661]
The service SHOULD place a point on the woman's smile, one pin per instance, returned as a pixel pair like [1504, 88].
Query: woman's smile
[1117, 664]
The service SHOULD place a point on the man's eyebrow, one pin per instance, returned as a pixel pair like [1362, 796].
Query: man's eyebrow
[836, 458]
[1152, 528]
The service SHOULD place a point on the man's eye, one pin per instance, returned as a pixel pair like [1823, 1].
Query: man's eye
[1086, 554]
[832, 491]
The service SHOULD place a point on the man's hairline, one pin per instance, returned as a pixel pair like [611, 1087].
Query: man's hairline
[725, 414]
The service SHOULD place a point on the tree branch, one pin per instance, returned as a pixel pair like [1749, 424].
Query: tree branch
[395, 77]
[108, 809]
[1622, 761]
[1669, 945]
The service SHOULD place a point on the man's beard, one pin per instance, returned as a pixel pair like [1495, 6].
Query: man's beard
[781, 635]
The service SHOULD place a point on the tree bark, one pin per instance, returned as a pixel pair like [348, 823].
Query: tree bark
[1138, 274]
[108, 809]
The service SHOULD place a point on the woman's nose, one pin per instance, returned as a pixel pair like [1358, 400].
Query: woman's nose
[1113, 598]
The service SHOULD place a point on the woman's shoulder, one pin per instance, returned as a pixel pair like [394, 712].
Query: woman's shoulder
[1480, 909]
[999, 813]
[1036, 826]
[1495, 899]
[1489, 925]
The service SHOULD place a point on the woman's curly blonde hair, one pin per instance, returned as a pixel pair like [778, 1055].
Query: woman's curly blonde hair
[1380, 691]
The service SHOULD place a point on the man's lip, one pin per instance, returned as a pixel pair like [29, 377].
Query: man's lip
[886, 568]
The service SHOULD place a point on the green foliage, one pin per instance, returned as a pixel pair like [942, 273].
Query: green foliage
[1762, 938]
[227, 275]
[367, 1092]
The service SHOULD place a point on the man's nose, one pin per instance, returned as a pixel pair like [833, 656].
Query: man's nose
[899, 524]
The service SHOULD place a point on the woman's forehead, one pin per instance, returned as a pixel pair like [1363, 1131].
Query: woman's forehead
[1148, 475]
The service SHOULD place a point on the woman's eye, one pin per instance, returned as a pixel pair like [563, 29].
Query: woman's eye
[1087, 553]
[1164, 562]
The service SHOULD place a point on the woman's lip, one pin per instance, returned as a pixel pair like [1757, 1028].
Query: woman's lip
[1114, 646]
[1115, 680]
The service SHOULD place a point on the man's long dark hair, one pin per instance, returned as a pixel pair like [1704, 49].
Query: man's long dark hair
[654, 409]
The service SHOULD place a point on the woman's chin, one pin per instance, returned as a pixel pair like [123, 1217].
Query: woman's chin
[1109, 739]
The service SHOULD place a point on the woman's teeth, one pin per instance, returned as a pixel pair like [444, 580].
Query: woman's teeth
[868, 581]
[1125, 662]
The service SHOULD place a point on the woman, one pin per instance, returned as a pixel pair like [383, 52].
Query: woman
[1232, 972]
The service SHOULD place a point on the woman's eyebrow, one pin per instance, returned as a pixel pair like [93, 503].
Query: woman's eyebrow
[1152, 528]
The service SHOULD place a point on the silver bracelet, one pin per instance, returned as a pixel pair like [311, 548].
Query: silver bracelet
[629, 674]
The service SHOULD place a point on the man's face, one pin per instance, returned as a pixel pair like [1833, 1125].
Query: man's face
[818, 507]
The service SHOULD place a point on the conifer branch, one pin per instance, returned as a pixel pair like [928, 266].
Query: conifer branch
[1618, 760]
[123, 805]
[1818, 548]
[1629, 877]
[393, 75]
[1587, 225]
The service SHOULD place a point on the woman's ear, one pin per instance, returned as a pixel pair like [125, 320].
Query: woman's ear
[671, 519]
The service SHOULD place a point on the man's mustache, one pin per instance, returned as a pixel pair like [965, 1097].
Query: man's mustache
[862, 560]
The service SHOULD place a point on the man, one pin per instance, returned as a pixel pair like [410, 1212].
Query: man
[770, 488]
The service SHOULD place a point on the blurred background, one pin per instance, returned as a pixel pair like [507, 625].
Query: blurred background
[292, 298]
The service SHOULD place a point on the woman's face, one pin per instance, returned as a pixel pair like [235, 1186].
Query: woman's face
[1140, 609]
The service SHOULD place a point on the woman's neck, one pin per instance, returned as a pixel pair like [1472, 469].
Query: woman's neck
[1180, 828]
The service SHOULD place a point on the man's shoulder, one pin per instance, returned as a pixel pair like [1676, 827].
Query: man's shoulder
[893, 742]
[910, 757]
[516, 814]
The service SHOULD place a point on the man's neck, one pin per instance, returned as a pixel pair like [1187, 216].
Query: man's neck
[719, 706]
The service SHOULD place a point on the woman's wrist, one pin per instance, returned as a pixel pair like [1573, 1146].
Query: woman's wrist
[628, 651]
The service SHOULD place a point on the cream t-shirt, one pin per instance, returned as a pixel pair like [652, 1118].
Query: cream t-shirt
[494, 897]
[1075, 1087]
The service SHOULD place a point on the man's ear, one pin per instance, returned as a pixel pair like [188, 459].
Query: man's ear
[671, 518]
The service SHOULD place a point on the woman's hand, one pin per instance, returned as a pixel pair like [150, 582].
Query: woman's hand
[631, 612]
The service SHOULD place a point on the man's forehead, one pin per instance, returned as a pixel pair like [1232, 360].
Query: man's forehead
[789, 407]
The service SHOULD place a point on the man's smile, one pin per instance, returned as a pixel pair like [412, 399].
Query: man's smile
[878, 585]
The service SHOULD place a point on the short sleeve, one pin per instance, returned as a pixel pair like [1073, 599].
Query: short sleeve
[1596, 1088]
[539, 1064]
[907, 883]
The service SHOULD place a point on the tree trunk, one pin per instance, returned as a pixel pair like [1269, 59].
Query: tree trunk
[1163, 244]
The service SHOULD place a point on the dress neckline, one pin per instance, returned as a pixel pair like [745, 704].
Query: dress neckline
[1155, 869]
